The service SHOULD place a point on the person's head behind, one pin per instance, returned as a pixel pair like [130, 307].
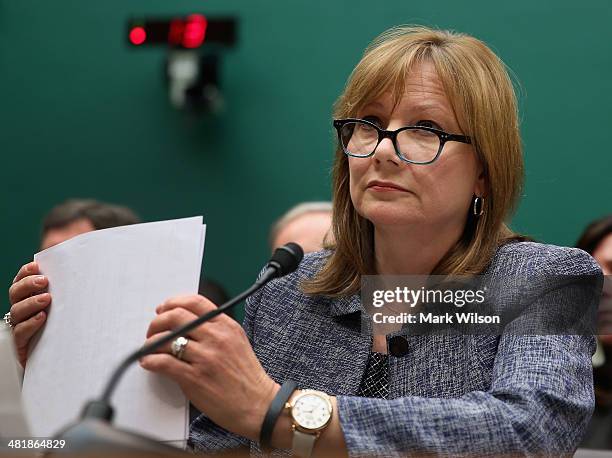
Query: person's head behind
[77, 216]
[597, 241]
[479, 93]
[306, 224]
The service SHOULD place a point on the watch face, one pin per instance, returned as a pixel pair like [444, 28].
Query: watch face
[311, 411]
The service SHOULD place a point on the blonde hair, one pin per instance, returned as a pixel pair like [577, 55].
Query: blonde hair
[482, 96]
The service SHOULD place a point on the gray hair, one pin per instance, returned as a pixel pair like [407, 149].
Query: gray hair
[294, 213]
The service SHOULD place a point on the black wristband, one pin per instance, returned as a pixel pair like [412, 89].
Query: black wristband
[274, 411]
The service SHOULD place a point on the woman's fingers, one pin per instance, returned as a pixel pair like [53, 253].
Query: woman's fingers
[23, 332]
[26, 287]
[27, 304]
[163, 363]
[188, 352]
[169, 320]
[29, 307]
[31, 268]
[198, 305]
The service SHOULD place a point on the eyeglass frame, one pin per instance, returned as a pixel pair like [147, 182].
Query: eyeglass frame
[392, 135]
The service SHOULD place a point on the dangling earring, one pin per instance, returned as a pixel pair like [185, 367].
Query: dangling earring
[478, 206]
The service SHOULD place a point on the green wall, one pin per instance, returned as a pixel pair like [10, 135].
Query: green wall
[81, 114]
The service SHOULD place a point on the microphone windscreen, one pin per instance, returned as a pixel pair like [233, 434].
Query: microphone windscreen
[287, 258]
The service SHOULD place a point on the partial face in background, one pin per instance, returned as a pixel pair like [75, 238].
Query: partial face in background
[59, 235]
[307, 230]
[603, 256]
[437, 194]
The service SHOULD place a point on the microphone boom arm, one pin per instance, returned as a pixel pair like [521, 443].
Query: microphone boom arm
[284, 261]
[95, 409]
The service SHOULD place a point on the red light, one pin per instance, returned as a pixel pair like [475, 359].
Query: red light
[177, 28]
[195, 31]
[138, 35]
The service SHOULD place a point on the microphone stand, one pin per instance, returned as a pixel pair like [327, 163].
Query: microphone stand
[101, 408]
[94, 434]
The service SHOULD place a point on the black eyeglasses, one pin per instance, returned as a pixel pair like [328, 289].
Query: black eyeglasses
[413, 144]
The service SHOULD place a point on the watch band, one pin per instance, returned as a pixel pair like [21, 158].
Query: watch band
[303, 443]
[276, 407]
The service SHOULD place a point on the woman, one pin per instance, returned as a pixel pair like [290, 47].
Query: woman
[429, 198]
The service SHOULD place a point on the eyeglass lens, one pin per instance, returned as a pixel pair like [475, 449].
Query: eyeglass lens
[418, 145]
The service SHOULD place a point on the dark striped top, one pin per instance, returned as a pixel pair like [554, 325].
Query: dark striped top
[375, 382]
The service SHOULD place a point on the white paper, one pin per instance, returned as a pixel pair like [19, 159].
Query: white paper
[13, 422]
[105, 286]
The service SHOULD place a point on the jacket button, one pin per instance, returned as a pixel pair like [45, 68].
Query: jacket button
[398, 346]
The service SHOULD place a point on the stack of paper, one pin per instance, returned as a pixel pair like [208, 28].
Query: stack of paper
[105, 286]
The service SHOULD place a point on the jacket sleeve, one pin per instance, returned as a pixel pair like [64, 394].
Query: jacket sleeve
[539, 402]
[204, 435]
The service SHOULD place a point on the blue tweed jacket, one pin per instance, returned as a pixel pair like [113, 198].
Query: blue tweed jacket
[451, 395]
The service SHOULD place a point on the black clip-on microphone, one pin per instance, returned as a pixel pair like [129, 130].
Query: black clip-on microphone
[94, 431]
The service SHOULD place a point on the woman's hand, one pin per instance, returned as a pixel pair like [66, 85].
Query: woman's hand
[28, 301]
[219, 371]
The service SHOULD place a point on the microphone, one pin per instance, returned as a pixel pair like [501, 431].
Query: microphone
[284, 261]
[94, 425]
